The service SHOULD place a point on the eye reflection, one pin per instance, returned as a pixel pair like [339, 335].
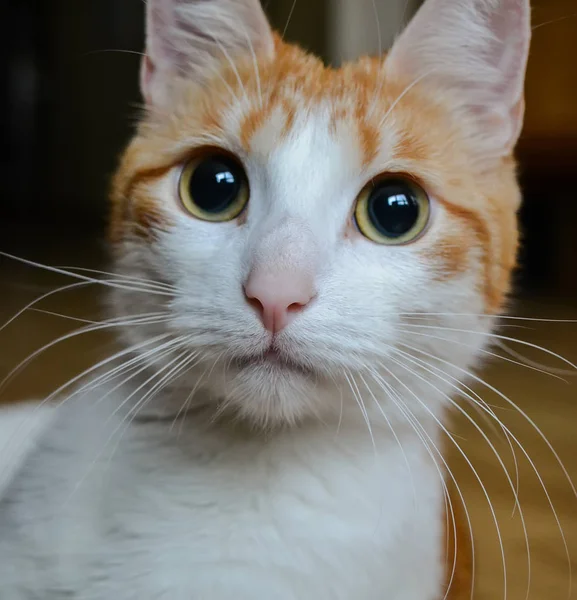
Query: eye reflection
[392, 210]
[214, 188]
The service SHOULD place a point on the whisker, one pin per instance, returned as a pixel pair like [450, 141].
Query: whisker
[43, 297]
[68, 336]
[190, 396]
[71, 382]
[123, 276]
[484, 409]
[469, 463]
[157, 352]
[173, 375]
[404, 93]
[482, 351]
[542, 436]
[381, 78]
[422, 434]
[425, 366]
[424, 315]
[498, 337]
[289, 18]
[91, 322]
[394, 433]
[115, 50]
[255, 64]
[62, 316]
[141, 402]
[32, 263]
[552, 21]
[232, 65]
[175, 347]
[356, 394]
[523, 360]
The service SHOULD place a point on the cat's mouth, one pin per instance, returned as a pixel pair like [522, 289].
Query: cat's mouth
[274, 359]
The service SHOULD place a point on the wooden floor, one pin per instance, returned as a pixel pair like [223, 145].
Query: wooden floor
[550, 403]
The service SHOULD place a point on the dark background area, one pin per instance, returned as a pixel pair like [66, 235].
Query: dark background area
[68, 98]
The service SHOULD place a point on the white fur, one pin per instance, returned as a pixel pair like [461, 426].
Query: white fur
[322, 486]
[191, 513]
[21, 427]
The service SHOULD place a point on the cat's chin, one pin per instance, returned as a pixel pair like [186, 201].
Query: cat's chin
[275, 364]
[270, 390]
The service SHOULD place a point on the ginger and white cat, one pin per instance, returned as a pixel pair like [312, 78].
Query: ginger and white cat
[309, 261]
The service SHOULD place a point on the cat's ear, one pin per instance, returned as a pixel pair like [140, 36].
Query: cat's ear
[475, 53]
[185, 37]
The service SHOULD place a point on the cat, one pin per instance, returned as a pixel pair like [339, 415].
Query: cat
[308, 261]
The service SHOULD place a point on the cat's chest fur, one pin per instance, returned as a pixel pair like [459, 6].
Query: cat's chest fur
[306, 514]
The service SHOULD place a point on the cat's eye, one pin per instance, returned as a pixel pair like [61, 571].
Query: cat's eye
[392, 210]
[214, 187]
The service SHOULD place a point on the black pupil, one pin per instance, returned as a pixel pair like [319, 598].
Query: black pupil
[393, 208]
[215, 184]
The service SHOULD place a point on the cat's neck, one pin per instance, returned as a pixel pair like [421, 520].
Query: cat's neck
[174, 409]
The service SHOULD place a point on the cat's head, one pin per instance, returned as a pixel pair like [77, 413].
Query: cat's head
[323, 236]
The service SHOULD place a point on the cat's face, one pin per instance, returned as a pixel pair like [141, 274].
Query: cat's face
[317, 227]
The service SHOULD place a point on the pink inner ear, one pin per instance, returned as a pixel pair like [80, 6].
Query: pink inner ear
[476, 50]
[185, 36]
[510, 49]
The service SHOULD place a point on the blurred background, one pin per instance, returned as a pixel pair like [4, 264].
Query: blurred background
[68, 100]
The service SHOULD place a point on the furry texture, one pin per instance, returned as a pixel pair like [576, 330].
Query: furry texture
[319, 474]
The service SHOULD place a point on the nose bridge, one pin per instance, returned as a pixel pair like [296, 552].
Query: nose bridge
[287, 246]
[281, 278]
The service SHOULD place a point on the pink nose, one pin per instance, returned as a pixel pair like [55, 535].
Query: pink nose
[278, 298]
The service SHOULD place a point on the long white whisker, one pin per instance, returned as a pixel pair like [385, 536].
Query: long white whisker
[52, 313]
[404, 93]
[68, 336]
[422, 434]
[255, 64]
[159, 371]
[173, 375]
[469, 463]
[197, 385]
[541, 435]
[545, 371]
[32, 263]
[92, 322]
[232, 65]
[425, 366]
[70, 382]
[137, 406]
[394, 433]
[140, 361]
[527, 362]
[424, 315]
[379, 88]
[289, 18]
[497, 337]
[479, 404]
[123, 276]
[359, 401]
[44, 296]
